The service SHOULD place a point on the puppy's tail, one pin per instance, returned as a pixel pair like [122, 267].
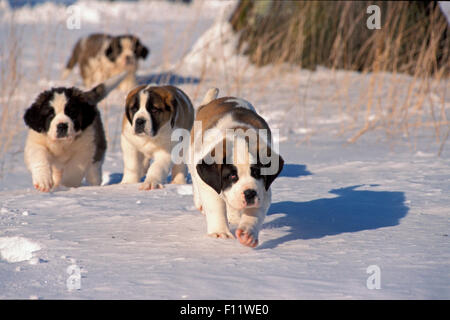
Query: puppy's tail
[210, 96]
[96, 94]
[73, 60]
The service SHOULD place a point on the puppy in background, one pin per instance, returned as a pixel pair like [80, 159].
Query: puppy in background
[66, 141]
[101, 56]
[152, 113]
[231, 182]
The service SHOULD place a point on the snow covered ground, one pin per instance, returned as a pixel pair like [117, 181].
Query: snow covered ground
[338, 209]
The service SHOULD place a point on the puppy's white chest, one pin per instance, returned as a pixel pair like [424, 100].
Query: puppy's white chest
[63, 152]
[149, 145]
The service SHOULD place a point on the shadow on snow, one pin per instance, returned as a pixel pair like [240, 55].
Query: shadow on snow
[351, 211]
[291, 170]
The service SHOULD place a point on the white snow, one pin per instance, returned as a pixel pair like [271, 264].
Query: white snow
[184, 190]
[337, 208]
[215, 49]
[17, 249]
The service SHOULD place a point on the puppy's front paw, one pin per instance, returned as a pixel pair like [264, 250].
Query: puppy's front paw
[247, 237]
[222, 235]
[128, 179]
[43, 183]
[150, 185]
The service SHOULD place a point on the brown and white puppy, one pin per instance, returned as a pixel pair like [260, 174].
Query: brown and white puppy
[66, 141]
[152, 113]
[101, 56]
[232, 166]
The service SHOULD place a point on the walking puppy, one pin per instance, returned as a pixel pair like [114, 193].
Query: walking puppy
[231, 173]
[152, 113]
[66, 141]
[101, 56]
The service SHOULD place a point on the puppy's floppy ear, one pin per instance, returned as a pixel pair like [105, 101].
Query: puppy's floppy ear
[34, 119]
[79, 109]
[131, 99]
[140, 50]
[268, 179]
[36, 115]
[211, 174]
[173, 104]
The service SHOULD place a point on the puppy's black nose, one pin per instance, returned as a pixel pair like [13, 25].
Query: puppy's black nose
[139, 125]
[250, 195]
[140, 122]
[61, 129]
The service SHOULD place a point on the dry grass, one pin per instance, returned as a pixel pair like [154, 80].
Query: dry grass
[10, 79]
[20, 80]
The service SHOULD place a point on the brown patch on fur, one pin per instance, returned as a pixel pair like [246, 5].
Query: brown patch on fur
[181, 114]
[89, 48]
[212, 112]
[224, 152]
[132, 93]
[163, 105]
[251, 118]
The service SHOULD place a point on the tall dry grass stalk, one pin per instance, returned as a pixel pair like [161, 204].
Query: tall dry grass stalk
[10, 79]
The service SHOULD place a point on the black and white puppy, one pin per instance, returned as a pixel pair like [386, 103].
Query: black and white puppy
[66, 141]
[151, 115]
[232, 173]
[101, 56]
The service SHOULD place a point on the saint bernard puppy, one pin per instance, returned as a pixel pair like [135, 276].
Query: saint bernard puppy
[232, 173]
[66, 141]
[152, 113]
[101, 56]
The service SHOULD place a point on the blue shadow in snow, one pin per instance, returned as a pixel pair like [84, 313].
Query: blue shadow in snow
[291, 170]
[350, 211]
[166, 78]
[21, 3]
[114, 178]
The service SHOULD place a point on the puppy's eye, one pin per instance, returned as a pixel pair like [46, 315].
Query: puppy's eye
[47, 111]
[155, 110]
[232, 176]
[255, 172]
[134, 107]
